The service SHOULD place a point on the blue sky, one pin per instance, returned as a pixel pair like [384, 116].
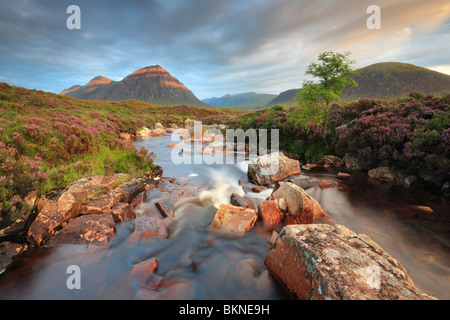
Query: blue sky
[214, 47]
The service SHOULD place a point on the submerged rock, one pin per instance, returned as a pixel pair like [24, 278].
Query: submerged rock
[332, 262]
[143, 270]
[272, 168]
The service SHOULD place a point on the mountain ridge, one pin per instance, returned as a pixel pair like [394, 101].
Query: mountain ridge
[245, 101]
[152, 84]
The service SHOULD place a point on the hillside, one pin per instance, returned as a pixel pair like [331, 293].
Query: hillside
[150, 84]
[245, 101]
[385, 81]
[49, 140]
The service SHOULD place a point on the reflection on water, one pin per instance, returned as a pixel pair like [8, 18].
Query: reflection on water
[194, 263]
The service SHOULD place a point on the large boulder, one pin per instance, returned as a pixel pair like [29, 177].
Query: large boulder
[231, 219]
[332, 262]
[68, 206]
[300, 206]
[271, 168]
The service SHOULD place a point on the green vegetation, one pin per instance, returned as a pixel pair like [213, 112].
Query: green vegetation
[315, 99]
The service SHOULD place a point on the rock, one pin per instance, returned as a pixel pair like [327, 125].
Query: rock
[233, 219]
[157, 172]
[273, 238]
[332, 262]
[271, 168]
[240, 201]
[57, 211]
[383, 173]
[144, 132]
[139, 199]
[330, 161]
[309, 166]
[130, 189]
[158, 125]
[173, 145]
[102, 204]
[300, 206]
[96, 229]
[422, 209]
[125, 136]
[8, 252]
[148, 228]
[121, 211]
[165, 207]
[157, 132]
[325, 184]
[269, 213]
[282, 204]
[303, 181]
[189, 123]
[258, 189]
[143, 270]
[343, 175]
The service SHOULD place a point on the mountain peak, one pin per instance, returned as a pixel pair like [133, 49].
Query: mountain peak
[98, 81]
[150, 70]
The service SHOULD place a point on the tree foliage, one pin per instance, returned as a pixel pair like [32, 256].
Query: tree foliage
[335, 72]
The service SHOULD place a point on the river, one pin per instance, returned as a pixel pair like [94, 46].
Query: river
[194, 263]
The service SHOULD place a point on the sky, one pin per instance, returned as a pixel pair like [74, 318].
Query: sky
[214, 47]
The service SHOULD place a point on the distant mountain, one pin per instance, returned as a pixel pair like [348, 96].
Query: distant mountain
[246, 101]
[387, 80]
[151, 84]
[286, 98]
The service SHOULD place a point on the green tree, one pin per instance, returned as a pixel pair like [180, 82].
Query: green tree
[316, 99]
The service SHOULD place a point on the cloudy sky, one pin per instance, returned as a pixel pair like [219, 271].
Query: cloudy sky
[214, 47]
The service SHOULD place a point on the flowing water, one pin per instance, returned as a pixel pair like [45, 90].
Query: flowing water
[194, 263]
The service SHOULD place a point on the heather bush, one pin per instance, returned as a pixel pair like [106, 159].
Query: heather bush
[410, 134]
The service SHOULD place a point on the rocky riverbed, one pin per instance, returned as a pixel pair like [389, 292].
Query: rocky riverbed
[260, 236]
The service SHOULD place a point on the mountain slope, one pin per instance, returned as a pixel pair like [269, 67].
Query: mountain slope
[245, 101]
[387, 80]
[151, 84]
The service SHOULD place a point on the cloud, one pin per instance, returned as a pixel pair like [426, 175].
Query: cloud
[213, 46]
